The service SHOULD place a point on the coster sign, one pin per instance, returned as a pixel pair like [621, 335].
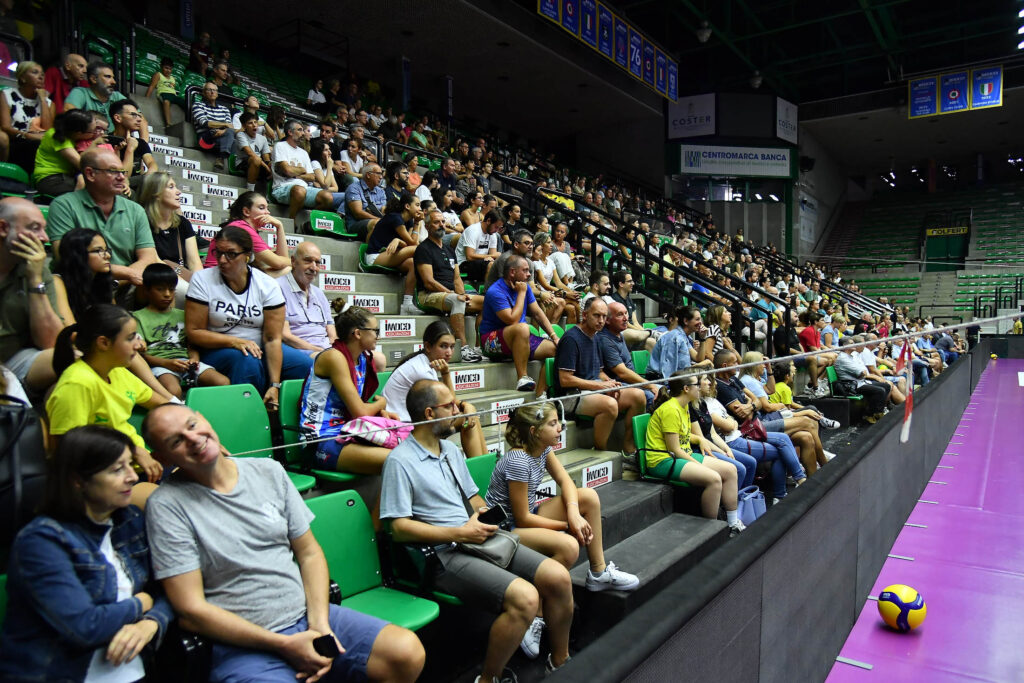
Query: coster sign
[765, 162]
[692, 117]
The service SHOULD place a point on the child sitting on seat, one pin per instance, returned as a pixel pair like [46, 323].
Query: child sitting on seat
[162, 327]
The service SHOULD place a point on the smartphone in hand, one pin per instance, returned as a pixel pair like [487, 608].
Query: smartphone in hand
[326, 646]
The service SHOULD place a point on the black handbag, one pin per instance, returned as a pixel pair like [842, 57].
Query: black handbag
[22, 466]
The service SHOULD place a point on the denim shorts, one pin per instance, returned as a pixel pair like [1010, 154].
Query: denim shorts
[355, 631]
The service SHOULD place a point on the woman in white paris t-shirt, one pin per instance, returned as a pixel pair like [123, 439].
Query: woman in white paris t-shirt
[234, 314]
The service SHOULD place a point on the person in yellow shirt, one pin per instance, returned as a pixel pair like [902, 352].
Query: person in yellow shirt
[98, 388]
[1018, 326]
[669, 452]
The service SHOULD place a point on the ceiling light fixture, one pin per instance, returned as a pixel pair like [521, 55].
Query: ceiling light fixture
[704, 32]
[756, 80]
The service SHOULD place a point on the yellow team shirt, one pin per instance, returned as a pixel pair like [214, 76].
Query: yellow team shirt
[783, 394]
[81, 397]
[670, 417]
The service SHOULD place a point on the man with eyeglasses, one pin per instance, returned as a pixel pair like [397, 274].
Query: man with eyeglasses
[308, 324]
[365, 200]
[134, 152]
[29, 322]
[212, 121]
[428, 498]
[102, 207]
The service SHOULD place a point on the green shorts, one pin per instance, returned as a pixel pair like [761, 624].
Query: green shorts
[669, 469]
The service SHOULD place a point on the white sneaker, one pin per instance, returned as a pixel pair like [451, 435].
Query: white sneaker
[526, 383]
[828, 455]
[828, 423]
[469, 355]
[736, 528]
[612, 579]
[531, 640]
[409, 309]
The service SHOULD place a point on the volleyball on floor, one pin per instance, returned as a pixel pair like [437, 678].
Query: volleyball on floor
[901, 607]
[994, 356]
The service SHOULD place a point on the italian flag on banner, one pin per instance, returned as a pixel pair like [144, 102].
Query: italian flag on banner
[906, 364]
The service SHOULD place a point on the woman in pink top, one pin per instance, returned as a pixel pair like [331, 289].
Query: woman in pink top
[250, 212]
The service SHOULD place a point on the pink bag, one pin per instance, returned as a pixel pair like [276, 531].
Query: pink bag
[368, 429]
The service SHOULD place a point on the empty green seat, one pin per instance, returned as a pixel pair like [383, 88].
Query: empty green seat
[236, 412]
[481, 468]
[640, 361]
[329, 224]
[345, 532]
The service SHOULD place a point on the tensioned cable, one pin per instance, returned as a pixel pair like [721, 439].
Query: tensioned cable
[866, 259]
[695, 373]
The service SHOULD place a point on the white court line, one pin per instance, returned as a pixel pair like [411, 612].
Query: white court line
[1020, 379]
[854, 662]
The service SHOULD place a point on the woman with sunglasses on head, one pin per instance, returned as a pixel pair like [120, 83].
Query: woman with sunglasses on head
[670, 456]
[82, 605]
[251, 213]
[431, 362]
[339, 388]
[234, 315]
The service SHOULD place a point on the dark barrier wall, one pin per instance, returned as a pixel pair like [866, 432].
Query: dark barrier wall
[777, 603]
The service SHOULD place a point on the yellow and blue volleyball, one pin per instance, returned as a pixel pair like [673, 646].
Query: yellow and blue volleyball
[901, 607]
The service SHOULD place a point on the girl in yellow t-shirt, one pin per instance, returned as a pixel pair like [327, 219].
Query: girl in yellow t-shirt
[670, 455]
[98, 388]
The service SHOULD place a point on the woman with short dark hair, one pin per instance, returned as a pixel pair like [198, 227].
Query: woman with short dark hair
[81, 601]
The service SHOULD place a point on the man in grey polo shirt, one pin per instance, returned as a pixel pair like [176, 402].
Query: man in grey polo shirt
[422, 497]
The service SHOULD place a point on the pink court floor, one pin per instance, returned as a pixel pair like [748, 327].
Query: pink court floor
[967, 548]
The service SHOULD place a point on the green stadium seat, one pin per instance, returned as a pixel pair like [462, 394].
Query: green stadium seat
[298, 456]
[237, 414]
[832, 378]
[373, 268]
[640, 361]
[329, 224]
[481, 468]
[640, 436]
[345, 531]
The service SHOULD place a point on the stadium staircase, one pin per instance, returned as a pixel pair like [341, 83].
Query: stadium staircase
[651, 530]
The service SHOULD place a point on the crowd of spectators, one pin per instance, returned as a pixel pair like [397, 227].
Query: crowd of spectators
[130, 317]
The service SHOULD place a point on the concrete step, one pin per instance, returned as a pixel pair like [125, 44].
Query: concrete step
[657, 555]
[629, 507]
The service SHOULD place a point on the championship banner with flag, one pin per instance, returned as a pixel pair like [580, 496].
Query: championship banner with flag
[906, 363]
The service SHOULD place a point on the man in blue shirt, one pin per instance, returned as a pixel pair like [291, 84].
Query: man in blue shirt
[616, 358]
[365, 200]
[503, 329]
[578, 368]
[427, 495]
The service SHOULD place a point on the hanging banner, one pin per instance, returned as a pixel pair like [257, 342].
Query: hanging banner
[673, 81]
[659, 71]
[923, 98]
[715, 160]
[549, 9]
[588, 22]
[648, 63]
[571, 16]
[786, 120]
[604, 32]
[636, 54]
[954, 92]
[987, 87]
[691, 116]
[621, 43]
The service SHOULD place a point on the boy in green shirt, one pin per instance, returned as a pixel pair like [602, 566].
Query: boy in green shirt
[162, 327]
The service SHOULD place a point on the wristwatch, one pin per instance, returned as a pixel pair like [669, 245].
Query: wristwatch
[38, 289]
[275, 385]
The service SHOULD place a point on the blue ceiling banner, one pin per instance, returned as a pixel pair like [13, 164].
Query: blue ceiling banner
[648, 64]
[659, 71]
[604, 32]
[672, 85]
[571, 16]
[549, 9]
[954, 92]
[621, 43]
[588, 22]
[636, 54]
[987, 87]
[922, 98]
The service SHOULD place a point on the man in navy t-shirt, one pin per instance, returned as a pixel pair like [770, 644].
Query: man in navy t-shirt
[503, 329]
[578, 368]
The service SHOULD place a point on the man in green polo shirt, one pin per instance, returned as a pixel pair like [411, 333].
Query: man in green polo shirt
[102, 207]
[99, 95]
[29, 319]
